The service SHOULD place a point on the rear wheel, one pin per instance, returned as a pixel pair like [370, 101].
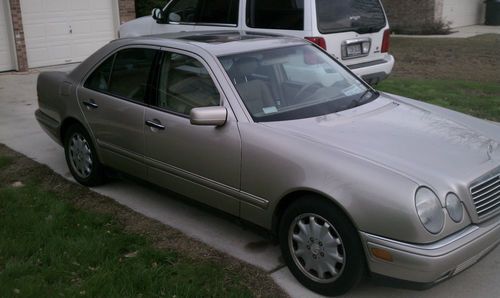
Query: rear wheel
[81, 157]
[321, 246]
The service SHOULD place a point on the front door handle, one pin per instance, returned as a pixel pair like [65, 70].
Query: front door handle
[90, 104]
[155, 124]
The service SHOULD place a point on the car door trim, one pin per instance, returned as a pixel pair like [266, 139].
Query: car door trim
[121, 151]
[225, 189]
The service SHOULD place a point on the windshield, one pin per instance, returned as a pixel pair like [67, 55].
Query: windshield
[362, 16]
[293, 83]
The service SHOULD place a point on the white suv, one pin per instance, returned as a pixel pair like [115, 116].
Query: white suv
[354, 31]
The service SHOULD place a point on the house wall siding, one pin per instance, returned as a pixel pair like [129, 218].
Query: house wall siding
[414, 13]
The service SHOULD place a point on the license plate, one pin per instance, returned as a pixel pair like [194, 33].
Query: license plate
[354, 50]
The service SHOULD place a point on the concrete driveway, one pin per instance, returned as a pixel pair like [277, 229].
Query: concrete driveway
[20, 131]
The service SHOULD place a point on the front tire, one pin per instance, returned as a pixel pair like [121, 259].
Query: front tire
[81, 157]
[321, 247]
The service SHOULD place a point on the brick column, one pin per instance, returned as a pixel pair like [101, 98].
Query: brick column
[17, 25]
[127, 10]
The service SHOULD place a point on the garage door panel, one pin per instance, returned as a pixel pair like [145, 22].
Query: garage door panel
[73, 30]
[79, 5]
[104, 5]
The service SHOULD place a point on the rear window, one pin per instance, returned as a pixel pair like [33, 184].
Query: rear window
[275, 14]
[362, 16]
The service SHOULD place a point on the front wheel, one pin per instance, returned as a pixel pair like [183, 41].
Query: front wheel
[81, 157]
[321, 246]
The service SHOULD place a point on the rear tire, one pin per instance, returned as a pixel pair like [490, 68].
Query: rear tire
[321, 247]
[81, 157]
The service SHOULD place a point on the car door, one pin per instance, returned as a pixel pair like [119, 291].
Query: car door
[202, 162]
[112, 99]
[179, 17]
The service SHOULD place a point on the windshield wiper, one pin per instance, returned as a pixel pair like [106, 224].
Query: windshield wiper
[364, 98]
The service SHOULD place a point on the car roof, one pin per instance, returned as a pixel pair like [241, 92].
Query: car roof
[220, 43]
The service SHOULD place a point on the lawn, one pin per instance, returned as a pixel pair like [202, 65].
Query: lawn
[478, 99]
[53, 246]
[459, 74]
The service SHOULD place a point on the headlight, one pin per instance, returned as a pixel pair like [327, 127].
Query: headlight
[429, 210]
[454, 207]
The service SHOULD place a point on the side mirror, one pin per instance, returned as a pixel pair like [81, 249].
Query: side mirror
[210, 116]
[157, 14]
[173, 17]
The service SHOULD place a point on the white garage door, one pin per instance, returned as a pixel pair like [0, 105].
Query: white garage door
[64, 31]
[463, 12]
[6, 52]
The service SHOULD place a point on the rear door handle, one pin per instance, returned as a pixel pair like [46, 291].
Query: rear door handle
[155, 124]
[90, 104]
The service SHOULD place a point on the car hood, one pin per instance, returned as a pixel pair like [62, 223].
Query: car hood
[406, 138]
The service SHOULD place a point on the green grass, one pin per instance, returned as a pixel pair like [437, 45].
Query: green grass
[4, 161]
[478, 99]
[48, 248]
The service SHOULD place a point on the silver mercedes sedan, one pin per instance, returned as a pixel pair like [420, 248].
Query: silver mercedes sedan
[275, 131]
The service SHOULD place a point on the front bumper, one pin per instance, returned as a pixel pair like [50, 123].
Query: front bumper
[432, 263]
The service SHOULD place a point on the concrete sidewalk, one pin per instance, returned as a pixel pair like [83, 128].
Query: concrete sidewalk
[20, 131]
[460, 32]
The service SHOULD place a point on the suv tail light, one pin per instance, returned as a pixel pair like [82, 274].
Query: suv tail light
[386, 41]
[320, 41]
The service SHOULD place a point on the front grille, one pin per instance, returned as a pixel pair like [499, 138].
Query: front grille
[486, 195]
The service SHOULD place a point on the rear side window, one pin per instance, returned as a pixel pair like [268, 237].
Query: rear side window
[99, 79]
[275, 14]
[204, 11]
[125, 74]
[362, 16]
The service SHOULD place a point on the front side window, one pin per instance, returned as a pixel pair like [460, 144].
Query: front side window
[125, 74]
[275, 14]
[362, 16]
[183, 84]
[293, 83]
[183, 11]
[204, 11]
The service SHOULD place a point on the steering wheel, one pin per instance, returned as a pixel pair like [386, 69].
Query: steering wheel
[311, 86]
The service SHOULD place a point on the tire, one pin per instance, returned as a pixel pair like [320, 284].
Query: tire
[321, 247]
[81, 157]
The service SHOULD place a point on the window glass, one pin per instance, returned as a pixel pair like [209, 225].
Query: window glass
[184, 83]
[362, 16]
[99, 79]
[130, 74]
[219, 12]
[313, 84]
[204, 11]
[183, 11]
[275, 14]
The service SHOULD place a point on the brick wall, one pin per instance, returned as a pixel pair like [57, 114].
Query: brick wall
[127, 10]
[409, 13]
[17, 26]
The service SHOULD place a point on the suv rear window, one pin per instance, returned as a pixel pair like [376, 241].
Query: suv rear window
[362, 16]
[275, 14]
